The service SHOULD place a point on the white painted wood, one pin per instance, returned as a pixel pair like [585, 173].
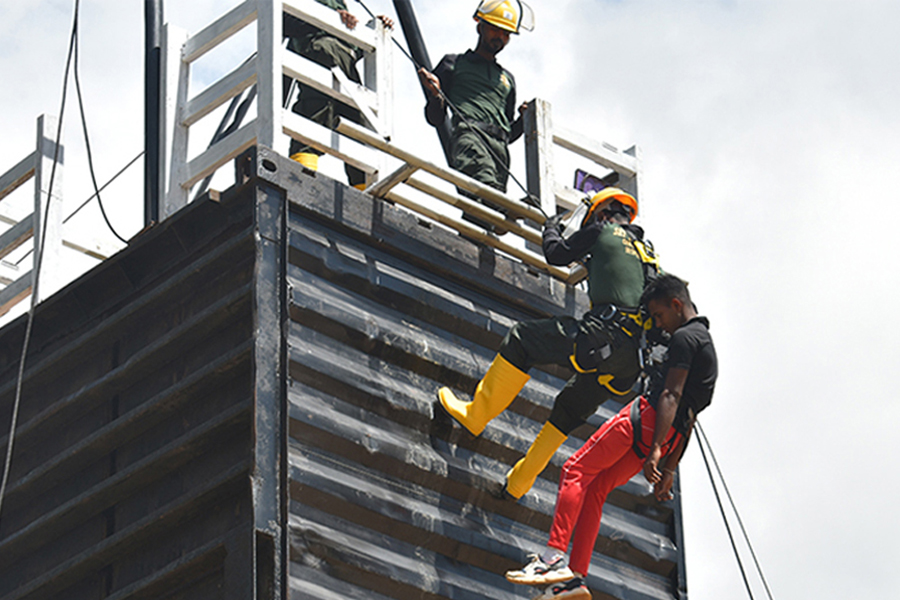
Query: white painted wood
[269, 70]
[15, 292]
[541, 178]
[174, 78]
[16, 235]
[319, 137]
[382, 63]
[220, 30]
[221, 92]
[567, 198]
[329, 21]
[219, 154]
[17, 176]
[9, 273]
[48, 209]
[94, 248]
[176, 85]
[309, 73]
[631, 184]
[357, 93]
[515, 207]
[599, 152]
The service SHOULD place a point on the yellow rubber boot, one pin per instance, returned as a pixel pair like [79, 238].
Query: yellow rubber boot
[360, 186]
[307, 159]
[496, 390]
[522, 476]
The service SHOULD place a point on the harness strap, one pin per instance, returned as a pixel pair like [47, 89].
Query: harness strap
[635, 416]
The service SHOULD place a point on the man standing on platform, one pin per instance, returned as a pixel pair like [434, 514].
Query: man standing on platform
[483, 95]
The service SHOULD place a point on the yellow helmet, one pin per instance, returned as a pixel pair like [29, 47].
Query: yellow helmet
[607, 195]
[509, 15]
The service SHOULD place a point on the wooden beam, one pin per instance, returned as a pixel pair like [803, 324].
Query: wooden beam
[329, 21]
[15, 177]
[515, 207]
[599, 152]
[219, 31]
[219, 154]
[16, 235]
[396, 178]
[15, 293]
[319, 78]
[313, 135]
[220, 92]
[479, 235]
[477, 210]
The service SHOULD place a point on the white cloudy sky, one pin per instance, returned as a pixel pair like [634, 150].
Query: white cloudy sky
[770, 133]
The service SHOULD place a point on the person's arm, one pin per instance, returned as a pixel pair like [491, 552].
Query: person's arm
[435, 83]
[662, 489]
[517, 124]
[666, 409]
[563, 251]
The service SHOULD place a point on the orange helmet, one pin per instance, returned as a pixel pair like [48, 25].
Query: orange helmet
[606, 196]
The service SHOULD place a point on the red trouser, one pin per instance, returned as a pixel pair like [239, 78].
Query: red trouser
[605, 462]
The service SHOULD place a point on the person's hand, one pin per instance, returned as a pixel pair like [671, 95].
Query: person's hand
[348, 19]
[650, 465]
[554, 221]
[523, 108]
[430, 81]
[663, 488]
[386, 21]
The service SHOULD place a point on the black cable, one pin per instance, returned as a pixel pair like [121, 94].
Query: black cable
[87, 145]
[725, 519]
[531, 199]
[736, 513]
[103, 187]
[38, 259]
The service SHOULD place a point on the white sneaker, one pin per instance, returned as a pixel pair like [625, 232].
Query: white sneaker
[574, 589]
[537, 572]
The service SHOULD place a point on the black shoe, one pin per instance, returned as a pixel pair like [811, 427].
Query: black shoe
[574, 589]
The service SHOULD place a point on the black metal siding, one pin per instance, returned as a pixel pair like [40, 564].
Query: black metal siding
[239, 405]
[384, 308]
[131, 465]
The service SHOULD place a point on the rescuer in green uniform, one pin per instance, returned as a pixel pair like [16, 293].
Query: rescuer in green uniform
[602, 347]
[328, 51]
[484, 94]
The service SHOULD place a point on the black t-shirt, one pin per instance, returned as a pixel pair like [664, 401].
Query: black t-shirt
[691, 348]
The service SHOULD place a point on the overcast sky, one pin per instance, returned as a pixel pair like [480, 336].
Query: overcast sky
[770, 134]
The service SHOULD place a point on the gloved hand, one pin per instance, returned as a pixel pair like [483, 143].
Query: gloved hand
[554, 222]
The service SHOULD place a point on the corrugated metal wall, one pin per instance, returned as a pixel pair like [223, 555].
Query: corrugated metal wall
[239, 406]
[131, 467]
[384, 309]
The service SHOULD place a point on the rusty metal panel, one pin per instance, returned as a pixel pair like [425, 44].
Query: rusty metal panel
[385, 308]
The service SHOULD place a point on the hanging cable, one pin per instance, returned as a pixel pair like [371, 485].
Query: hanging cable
[725, 519]
[39, 243]
[87, 145]
[530, 198]
[103, 187]
[736, 513]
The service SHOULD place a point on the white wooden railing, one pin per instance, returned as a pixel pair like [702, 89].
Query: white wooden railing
[369, 149]
[180, 172]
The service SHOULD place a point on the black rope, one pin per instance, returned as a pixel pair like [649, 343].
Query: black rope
[725, 519]
[104, 186]
[87, 143]
[736, 513]
[37, 270]
[532, 200]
